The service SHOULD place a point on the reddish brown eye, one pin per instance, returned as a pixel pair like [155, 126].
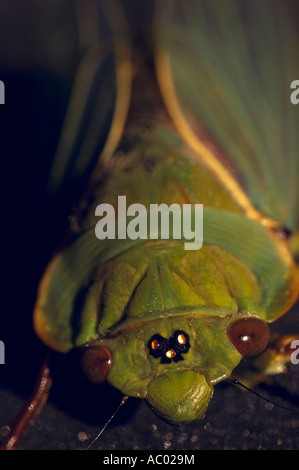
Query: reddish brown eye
[95, 363]
[250, 336]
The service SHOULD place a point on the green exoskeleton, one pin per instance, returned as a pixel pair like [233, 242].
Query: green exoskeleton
[201, 115]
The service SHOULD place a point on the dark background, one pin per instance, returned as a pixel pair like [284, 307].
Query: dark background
[37, 92]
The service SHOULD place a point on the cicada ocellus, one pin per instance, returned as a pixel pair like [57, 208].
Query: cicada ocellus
[198, 111]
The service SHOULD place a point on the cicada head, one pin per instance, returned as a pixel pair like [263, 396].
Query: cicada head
[172, 362]
[169, 349]
[177, 394]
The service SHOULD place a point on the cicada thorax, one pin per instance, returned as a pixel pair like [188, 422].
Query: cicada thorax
[162, 322]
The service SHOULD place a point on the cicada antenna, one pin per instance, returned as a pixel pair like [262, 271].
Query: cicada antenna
[237, 382]
[123, 401]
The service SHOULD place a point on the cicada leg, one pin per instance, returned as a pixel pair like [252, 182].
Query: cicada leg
[281, 351]
[31, 409]
[273, 360]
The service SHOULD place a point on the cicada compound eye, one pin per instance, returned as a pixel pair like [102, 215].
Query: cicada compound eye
[95, 363]
[249, 335]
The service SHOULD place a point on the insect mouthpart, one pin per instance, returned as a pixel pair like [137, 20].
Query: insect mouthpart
[169, 349]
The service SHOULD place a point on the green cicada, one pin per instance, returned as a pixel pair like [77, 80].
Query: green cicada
[197, 112]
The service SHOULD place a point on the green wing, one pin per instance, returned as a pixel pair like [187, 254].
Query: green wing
[220, 61]
[231, 65]
[99, 98]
